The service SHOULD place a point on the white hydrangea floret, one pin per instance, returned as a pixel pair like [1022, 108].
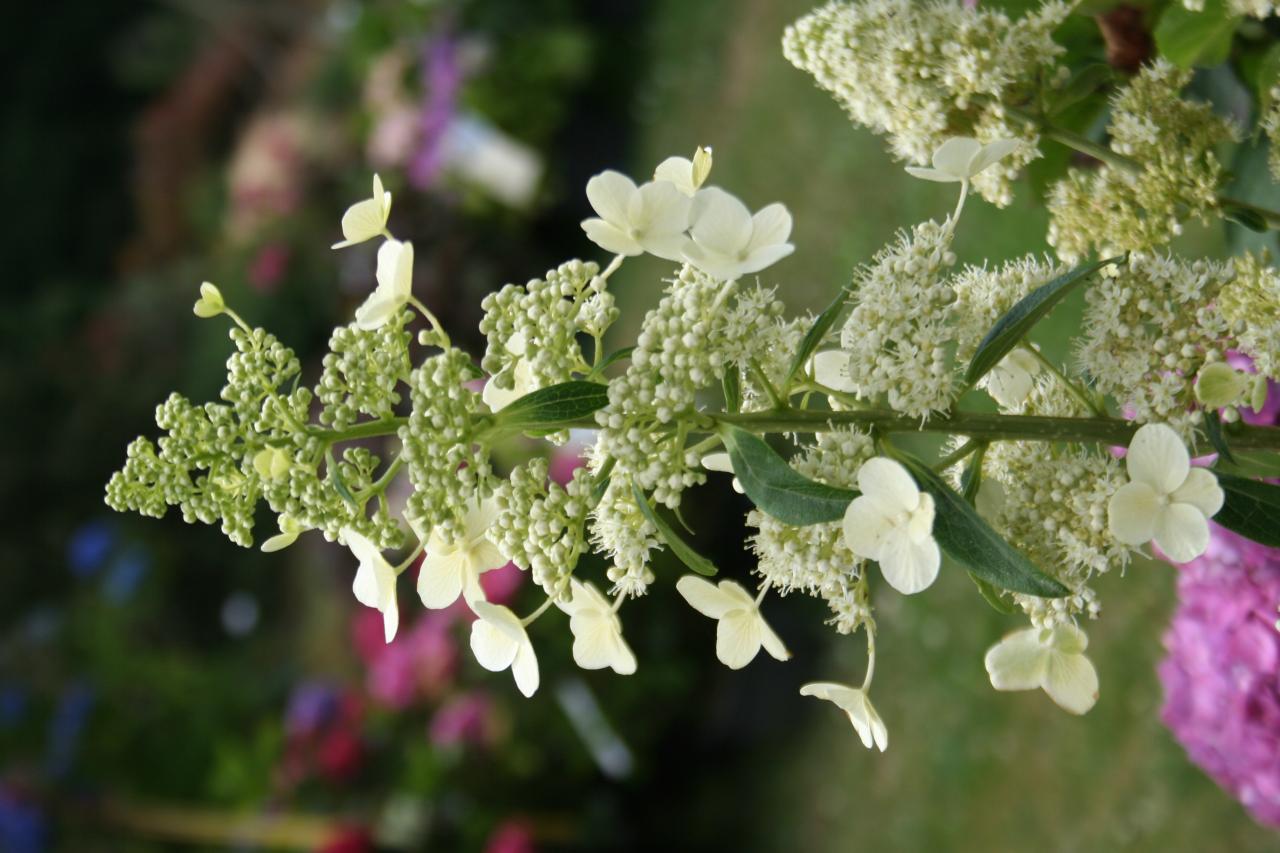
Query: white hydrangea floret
[499, 641]
[959, 158]
[857, 705]
[1010, 382]
[290, 530]
[727, 241]
[453, 568]
[686, 175]
[597, 631]
[831, 369]
[891, 522]
[1051, 659]
[1166, 501]
[740, 629]
[521, 378]
[366, 219]
[633, 220]
[395, 286]
[375, 582]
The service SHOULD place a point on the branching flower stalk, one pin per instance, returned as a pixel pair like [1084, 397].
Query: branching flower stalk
[1030, 499]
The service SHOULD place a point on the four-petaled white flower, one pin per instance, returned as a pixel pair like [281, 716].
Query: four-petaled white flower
[375, 581]
[726, 241]
[891, 522]
[1010, 381]
[740, 629]
[521, 378]
[1049, 658]
[720, 462]
[450, 569]
[597, 631]
[498, 640]
[633, 220]
[290, 530]
[831, 368]
[857, 705]
[960, 158]
[686, 175]
[395, 285]
[366, 219]
[1166, 501]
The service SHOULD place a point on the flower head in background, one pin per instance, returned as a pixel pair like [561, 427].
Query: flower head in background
[857, 705]
[597, 631]
[499, 641]
[740, 629]
[960, 158]
[633, 220]
[727, 241]
[1051, 659]
[366, 219]
[375, 581]
[1166, 501]
[891, 522]
[686, 175]
[395, 285]
[1221, 673]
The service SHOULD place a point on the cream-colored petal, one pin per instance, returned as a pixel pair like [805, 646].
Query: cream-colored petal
[738, 594]
[719, 222]
[705, 597]
[1068, 639]
[1017, 662]
[932, 175]
[1071, 682]
[764, 257]
[831, 368]
[889, 484]
[1182, 532]
[865, 526]
[610, 193]
[658, 208]
[441, 578]
[1132, 513]
[772, 642]
[770, 226]
[363, 220]
[1008, 384]
[1158, 458]
[920, 524]
[991, 153]
[679, 172]
[714, 264]
[611, 238]
[280, 541]
[525, 669]
[1201, 490]
[669, 246]
[991, 499]
[493, 648]
[954, 156]
[497, 398]
[718, 462]
[738, 638]
[391, 617]
[376, 311]
[909, 565]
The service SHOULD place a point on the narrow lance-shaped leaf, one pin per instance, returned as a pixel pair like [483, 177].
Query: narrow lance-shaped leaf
[1251, 508]
[683, 550]
[778, 489]
[1213, 429]
[335, 477]
[1014, 325]
[970, 483]
[612, 358]
[732, 389]
[1251, 463]
[818, 331]
[970, 541]
[554, 404]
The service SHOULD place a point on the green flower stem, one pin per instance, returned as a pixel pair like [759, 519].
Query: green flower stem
[368, 429]
[763, 379]
[1077, 393]
[958, 454]
[442, 336]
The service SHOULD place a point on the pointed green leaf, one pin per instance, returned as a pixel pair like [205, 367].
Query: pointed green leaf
[732, 389]
[1014, 325]
[970, 541]
[818, 331]
[555, 404]
[1202, 38]
[682, 549]
[1245, 217]
[992, 596]
[777, 488]
[1251, 463]
[1213, 429]
[335, 477]
[612, 358]
[1251, 508]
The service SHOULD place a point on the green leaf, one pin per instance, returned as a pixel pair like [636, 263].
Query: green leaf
[970, 541]
[778, 489]
[1213, 429]
[678, 546]
[1203, 38]
[1268, 75]
[612, 358]
[818, 331]
[732, 389]
[992, 596]
[1083, 83]
[1014, 325]
[335, 477]
[1251, 508]
[554, 404]
[1251, 463]
[1245, 217]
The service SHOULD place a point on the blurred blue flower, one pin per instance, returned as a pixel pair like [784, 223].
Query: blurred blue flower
[89, 547]
[22, 826]
[66, 725]
[13, 704]
[312, 704]
[126, 572]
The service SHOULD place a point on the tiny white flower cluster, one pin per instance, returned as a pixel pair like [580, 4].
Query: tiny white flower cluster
[622, 533]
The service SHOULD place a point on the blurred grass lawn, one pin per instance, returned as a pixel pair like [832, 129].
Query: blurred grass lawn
[968, 769]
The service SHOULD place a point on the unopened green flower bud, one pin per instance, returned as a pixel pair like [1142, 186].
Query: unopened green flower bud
[271, 463]
[1219, 384]
[1258, 393]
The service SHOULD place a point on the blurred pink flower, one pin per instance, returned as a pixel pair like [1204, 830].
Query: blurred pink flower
[1221, 675]
[512, 836]
[465, 719]
[501, 585]
[268, 267]
[419, 663]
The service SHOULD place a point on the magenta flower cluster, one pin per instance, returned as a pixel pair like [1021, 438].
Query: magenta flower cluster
[1222, 672]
